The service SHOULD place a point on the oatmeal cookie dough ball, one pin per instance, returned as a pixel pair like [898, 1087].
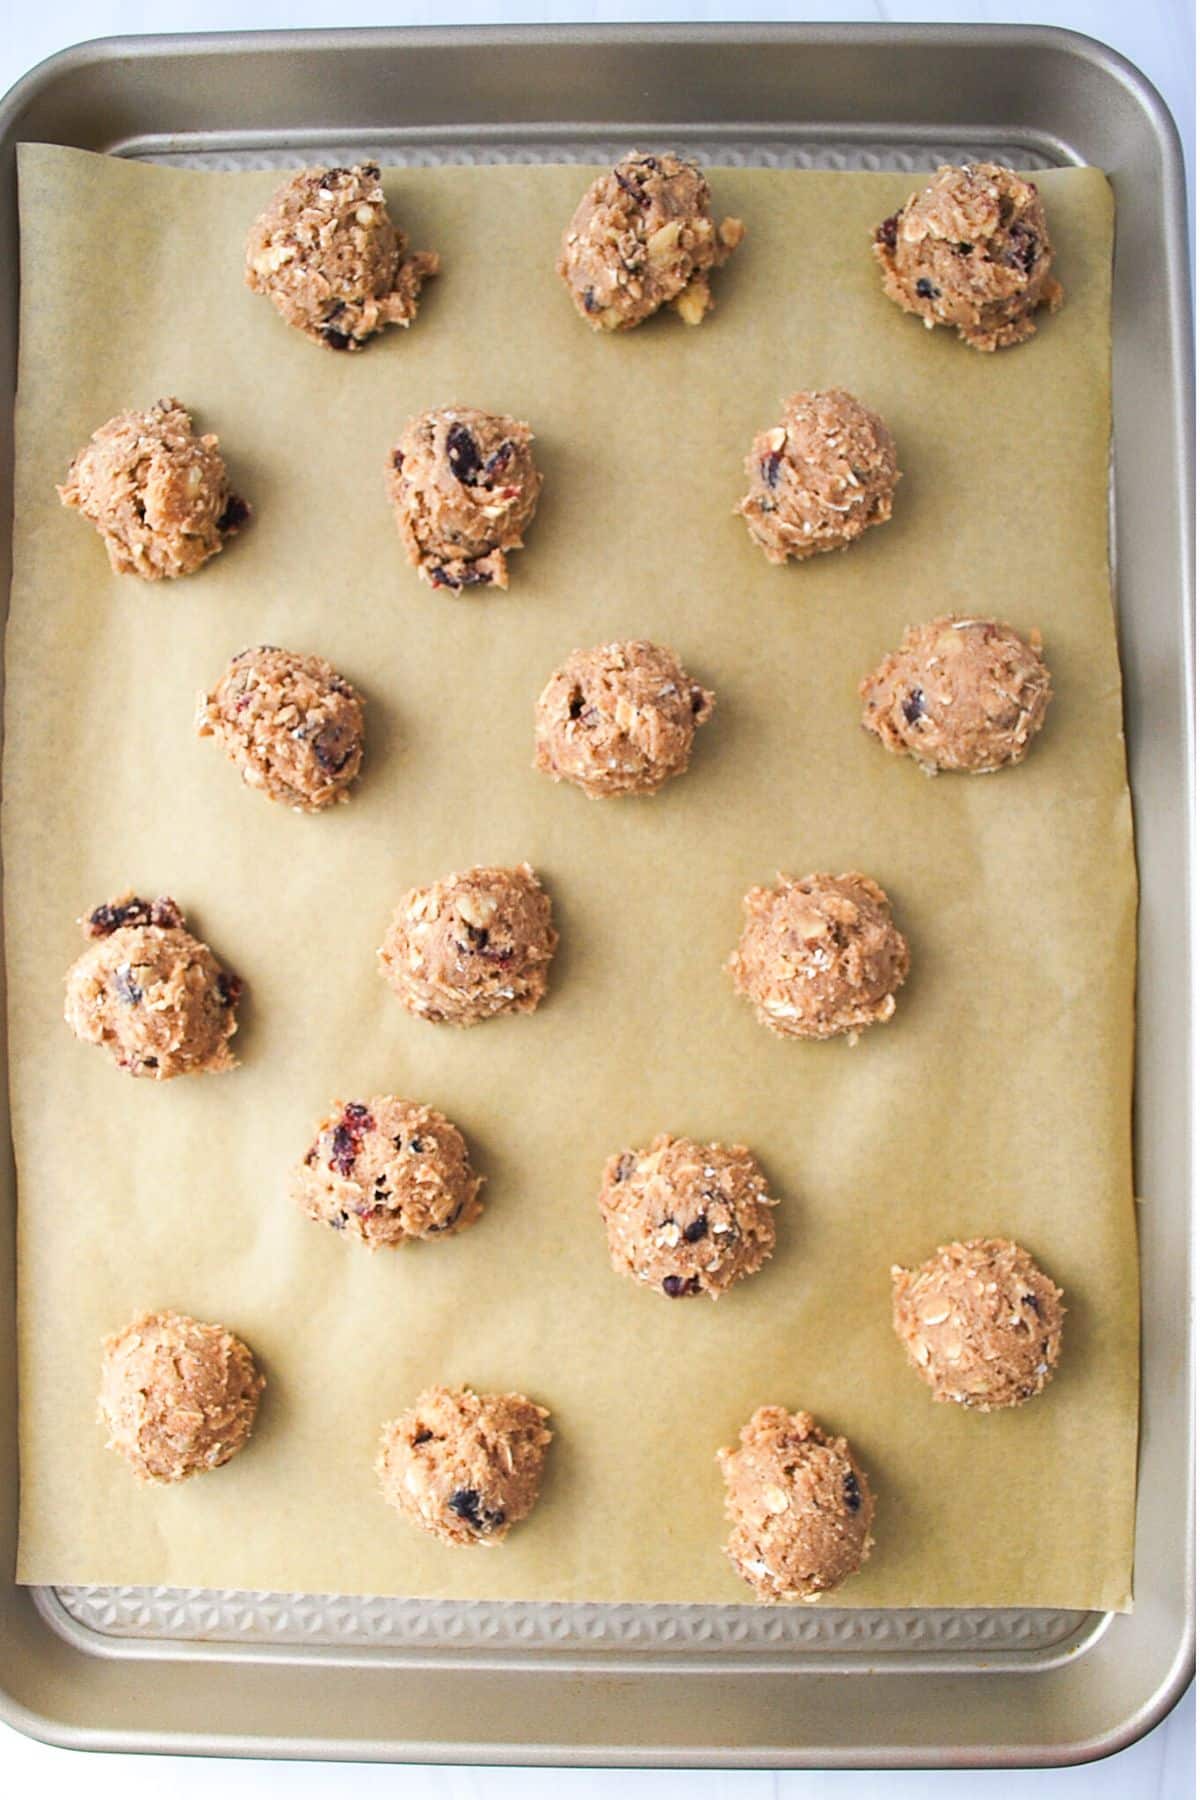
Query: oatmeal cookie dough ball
[156, 492]
[291, 724]
[800, 1506]
[330, 260]
[465, 1467]
[981, 1323]
[643, 236]
[971, 250]
[820, 478]
[619, 719]
[386, 1171]
[470, 946]
[820, 957]
[177, 1396]
[151, 994]
[687, 1218]
[464, 487]
[967, 694]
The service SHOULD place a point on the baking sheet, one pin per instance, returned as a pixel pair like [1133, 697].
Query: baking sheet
[997, 1101]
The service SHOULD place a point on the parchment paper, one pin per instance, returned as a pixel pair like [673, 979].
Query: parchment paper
[996, 1102]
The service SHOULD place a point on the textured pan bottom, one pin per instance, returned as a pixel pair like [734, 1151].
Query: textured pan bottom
[400, 150]
[1007, 1638]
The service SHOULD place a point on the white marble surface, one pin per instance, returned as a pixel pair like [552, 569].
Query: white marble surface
[1158, 35]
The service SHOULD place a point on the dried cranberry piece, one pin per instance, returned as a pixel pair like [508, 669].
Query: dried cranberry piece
[575, 705]
[397, 460]
[344, 1150]
[926, 289]
[229, 988]
[631, 188]
[134, 911]
[107, 919]
[769, 468]
[851, 1492]
[234, 516]
[885, 234]
[1032, 1301]
[678, 1287]
[440, 576]
[462, 453]
[590, 303]
[497, 462]
[913, 705]
[333, 747]
[624, 1168]
[477, 936]
[1026, 248]
[421, 1436]
[348, 1136]
[466, 1505]
[127, 988]
[696, 1230]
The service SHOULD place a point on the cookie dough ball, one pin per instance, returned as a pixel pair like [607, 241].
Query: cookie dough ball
[464, 487]
[176, 1396]
[619, 719]
[465, 1467]
[971, 250]
[291, 724]
[687, 1218]
[959, 694]
[820, 957]
[154, 996]
[330, 260]
[156, 492]
[800, 1506]
[386, 1171]
[643, 237]
[981, 1323]
[473, 945]
[820, 478]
